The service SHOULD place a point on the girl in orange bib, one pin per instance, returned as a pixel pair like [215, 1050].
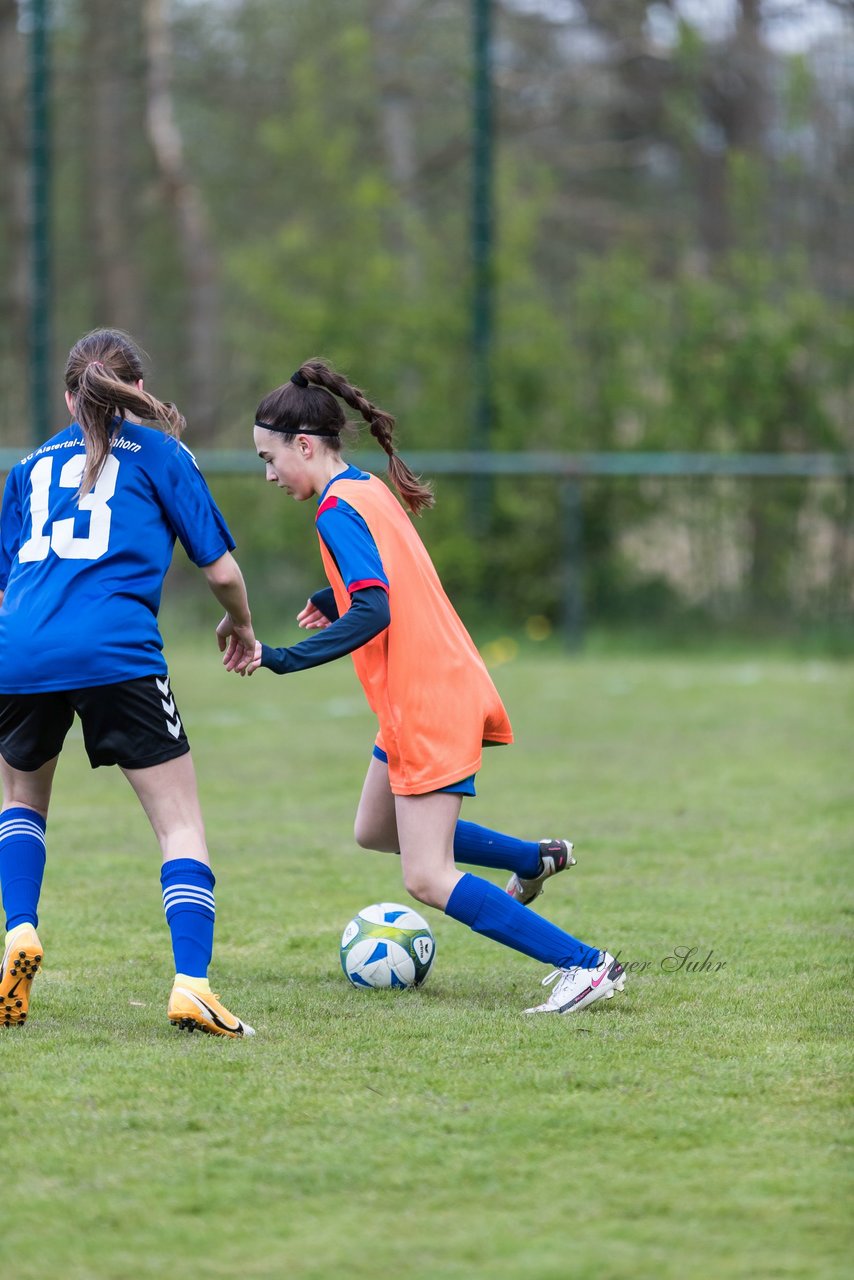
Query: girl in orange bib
[423, 677]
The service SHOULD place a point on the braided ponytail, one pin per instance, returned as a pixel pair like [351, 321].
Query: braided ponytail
[101, 375]
[415, 495]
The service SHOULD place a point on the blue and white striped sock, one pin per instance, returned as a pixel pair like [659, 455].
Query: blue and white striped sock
[188, 901]
[22, 859]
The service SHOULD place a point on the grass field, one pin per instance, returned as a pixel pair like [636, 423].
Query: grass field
[693, 1127]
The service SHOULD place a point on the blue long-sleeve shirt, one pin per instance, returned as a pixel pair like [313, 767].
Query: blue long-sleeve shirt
[355, 552]
[368, 615]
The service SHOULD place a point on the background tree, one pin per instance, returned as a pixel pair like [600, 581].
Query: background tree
[183, 200]
[14, 247]
[244, 184]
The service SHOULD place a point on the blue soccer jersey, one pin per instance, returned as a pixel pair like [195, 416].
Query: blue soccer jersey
[349, 538]
[83, 579]
[350, 543]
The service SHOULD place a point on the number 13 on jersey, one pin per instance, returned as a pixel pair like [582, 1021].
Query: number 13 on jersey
[60, 537]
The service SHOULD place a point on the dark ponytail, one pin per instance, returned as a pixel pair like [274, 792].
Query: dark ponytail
[305, 402]
[101, 373]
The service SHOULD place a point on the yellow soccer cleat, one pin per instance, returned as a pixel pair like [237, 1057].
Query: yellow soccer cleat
[21, 961]
[201, 1011]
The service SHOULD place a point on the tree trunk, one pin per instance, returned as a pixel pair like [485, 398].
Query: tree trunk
[111, 188]
[194, 235]
[389, 19]
[736, 101]
[14, 130]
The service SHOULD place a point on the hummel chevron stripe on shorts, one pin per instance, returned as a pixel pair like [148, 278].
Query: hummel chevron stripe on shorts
[167, 702]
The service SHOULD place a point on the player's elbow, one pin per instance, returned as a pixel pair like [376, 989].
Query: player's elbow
[222, 572]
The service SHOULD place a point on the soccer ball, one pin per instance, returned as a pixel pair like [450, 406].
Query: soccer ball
[387, 945]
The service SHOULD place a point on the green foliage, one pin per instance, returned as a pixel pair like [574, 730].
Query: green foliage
[754, 360]
[799, 91]
[617, 325]
[750, 358]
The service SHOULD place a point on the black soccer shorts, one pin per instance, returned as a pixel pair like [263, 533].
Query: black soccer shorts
[134, 724]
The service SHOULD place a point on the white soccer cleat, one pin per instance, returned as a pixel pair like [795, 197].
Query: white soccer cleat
[577, 988]
[555, 856]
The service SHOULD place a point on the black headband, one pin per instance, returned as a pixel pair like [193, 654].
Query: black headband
[297, 431]
[299, 380]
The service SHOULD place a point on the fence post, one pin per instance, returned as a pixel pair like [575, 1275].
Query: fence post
[40, 246]
[571, 561]
[482, 231]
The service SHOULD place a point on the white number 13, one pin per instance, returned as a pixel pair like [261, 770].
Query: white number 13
[61, 538]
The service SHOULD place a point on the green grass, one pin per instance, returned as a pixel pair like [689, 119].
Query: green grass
[693, 1127]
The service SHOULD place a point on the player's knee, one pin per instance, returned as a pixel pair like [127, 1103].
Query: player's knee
[368, 836]
[362, 834]
[424, 887]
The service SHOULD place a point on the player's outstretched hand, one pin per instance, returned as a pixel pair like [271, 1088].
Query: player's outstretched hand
[228, 630]
[241, 651]
[311, 617]
[241, 659]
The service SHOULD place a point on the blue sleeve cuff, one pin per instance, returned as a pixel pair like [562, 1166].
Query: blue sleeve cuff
[324, 600]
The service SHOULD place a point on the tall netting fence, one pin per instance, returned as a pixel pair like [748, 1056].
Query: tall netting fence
[563, 545]
[567, 553]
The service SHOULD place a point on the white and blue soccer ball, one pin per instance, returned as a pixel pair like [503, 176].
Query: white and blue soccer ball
[387, 945]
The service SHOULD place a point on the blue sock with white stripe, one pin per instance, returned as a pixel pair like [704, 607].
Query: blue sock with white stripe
[480, 847]
[22, 859]
[189, 905]
[488, 910]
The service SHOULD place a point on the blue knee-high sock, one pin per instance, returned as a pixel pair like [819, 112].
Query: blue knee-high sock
[189, 904]
[22, 859]
[480, 847]
[488, 910]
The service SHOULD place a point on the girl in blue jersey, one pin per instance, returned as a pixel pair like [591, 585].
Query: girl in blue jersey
[87, 529]
[424, 679]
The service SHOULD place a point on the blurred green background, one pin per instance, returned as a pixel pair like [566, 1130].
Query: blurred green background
[244, 183]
